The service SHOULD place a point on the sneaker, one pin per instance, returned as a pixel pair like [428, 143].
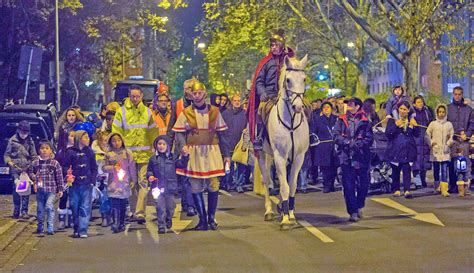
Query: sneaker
[161, 230]
[83, 236]
[408, 195]
[240, 189]
[140, 219]
[169, 223]
[40, 233]
[25, 216]
[353, 217]
[360, 214]
[50, 232]
[191, 211]
[396, 194]
[75, 235]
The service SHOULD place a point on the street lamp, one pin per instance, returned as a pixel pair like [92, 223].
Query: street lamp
[164, 19]
[326, 66]
[201, 45]
[350, 44]
[58, 88]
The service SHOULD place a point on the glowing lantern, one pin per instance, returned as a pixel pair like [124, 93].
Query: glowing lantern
[121, 174]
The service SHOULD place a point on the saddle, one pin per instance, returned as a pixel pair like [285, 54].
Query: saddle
[265, 108]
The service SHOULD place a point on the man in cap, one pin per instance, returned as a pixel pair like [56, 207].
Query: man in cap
[200, 130]
[19, 154]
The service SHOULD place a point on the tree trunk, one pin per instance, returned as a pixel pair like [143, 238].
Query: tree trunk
[410, 74]
[361, 85]
[147, 53]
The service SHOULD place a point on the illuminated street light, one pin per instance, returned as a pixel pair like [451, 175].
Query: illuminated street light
[346, 59]
[201, 45]
[326, 66]
[350, 44]
[164, 19]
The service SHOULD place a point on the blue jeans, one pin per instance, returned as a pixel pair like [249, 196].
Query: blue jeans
[81, 203]
[165, 206]
[302, 179]
[45, 201]
[443, 167]
[240, 174]
[20, 203]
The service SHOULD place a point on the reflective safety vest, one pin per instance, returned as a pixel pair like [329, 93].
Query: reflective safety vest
[161, 123]
[179, 106]
[138, 128]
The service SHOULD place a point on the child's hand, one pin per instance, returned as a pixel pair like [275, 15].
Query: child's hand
[70, 179]
[413, 123]
[185, 151]
[399, 123]
[463, 136]
[152, 178]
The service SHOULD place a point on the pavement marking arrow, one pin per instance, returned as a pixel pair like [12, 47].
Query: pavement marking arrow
[424, 217]
[151, 225]
[178, 224]
[316, 232]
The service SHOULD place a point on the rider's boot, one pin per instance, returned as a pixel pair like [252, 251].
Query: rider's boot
[201, 210]
[212, 198]
[258, 142]
[313, 140]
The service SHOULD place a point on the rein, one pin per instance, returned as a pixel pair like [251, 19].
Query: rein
[292, 128]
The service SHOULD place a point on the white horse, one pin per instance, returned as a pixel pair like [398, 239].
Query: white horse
[288, 141]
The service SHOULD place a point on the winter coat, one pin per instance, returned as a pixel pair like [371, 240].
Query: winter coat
[82, 161]
[462, 117]
[21, 152]
[354, 137]
[267, 80]
[64, 134]
[440, 136]
[138, 128]
[401, 146]
[423, 117]
[324, 154]
[236, 121]
[124, 158]
[163, 167]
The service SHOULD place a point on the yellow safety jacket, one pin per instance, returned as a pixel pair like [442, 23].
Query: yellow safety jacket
[138, 128]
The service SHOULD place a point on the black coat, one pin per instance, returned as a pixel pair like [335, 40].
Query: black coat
[267, 80]
[84, 166]
[462, 117]
[401, 146]
[423, 117]
[236, 121]
[354, 137]
[324, 154]
[163, 167]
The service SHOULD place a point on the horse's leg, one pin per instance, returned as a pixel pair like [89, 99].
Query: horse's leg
[293, 180]
[280, 164]
[262, 163]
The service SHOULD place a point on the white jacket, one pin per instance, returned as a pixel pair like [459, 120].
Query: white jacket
[440, 133]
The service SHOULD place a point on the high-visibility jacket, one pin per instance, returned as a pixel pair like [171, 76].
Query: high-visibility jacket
[162, 122]
[138, 128]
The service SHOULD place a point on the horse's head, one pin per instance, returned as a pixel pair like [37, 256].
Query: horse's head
[292, 82]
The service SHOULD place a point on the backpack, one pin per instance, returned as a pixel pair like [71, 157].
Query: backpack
[460, 164]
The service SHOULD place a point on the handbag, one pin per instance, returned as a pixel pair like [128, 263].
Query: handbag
[239, 155]
[23, 184]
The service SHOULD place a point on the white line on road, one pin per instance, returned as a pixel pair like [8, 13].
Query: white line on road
[225, 193]
[150, 225]
[316, 232]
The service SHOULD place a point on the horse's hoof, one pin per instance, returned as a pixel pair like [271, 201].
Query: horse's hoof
[285, 227]
[269, 216]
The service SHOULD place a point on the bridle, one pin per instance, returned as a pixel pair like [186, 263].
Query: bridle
[289, 103]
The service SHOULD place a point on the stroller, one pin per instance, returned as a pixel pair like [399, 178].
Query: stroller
[380, 170]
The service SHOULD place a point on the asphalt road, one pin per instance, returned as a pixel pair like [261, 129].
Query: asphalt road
[424, 234]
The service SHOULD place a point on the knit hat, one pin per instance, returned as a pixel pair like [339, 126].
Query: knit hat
[166, 138]
[24, 126]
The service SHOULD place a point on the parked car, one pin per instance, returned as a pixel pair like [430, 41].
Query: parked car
[46, 111]
[149, 87]
[9, 123]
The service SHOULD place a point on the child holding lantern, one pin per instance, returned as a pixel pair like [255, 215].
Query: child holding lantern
[120, 166]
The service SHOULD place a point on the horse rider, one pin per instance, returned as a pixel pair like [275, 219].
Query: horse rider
[265, 85]
[200, 130]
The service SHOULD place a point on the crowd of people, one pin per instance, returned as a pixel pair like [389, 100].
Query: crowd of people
[190, 146]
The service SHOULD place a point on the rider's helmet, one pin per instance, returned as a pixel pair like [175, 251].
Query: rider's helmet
[278, 36]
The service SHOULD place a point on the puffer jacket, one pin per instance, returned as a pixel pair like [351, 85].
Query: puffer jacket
[20, 152]
[122, 157]
[82, 161]
[440, 135]
[138, 128]
[163, 167]
[423, 117]
[462, 117]
[401, 147]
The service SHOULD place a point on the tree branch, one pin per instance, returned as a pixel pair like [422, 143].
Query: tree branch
[358, 19]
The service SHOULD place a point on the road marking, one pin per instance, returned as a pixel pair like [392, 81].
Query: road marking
[7, 226]
[127, 227]
[150, 224]
[424, 217]
[139, 237]
[313, 230]
[316, 232]
[225, 193]
[178, 224]
[253, 194]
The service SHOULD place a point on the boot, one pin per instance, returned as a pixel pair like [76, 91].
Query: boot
[467, 188]
[115, 219]
[123, 212]
[70, 220]
[461, 185]
[212, 198]
[190, 211]
[62, 214]
[444, 188]
[437, 189]
[201, 210]
[258, 142]
[16, 213]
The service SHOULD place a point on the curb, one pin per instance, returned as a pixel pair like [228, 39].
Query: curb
[13, 232]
